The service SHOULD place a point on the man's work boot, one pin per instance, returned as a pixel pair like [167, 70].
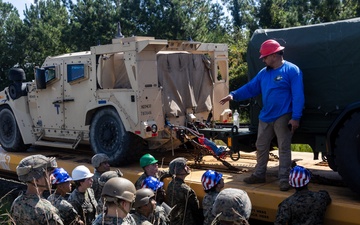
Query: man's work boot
[284, 185]
[254, 180]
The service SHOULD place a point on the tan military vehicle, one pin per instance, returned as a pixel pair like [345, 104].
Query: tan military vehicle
[134, 94]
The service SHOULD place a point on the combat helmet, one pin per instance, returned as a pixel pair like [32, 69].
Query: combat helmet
[61, 176]
[97, 159]
[231, 204]
[118, 188]
[34, 167]
[177, 165]
[108, 175]
[143, 197]
[147, 159]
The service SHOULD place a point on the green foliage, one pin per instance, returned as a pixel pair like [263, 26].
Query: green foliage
[289, 13]
[301, 148]
[11, 39]
[5, 205]
[92, 22]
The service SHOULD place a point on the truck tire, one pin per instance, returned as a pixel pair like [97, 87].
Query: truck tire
[108, 135]
[17, 74]
[347, 152]
[10, 136]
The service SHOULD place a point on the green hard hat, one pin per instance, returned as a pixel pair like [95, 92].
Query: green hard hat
[146, 160]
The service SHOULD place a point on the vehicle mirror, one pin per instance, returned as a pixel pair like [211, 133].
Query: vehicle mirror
[40, 78]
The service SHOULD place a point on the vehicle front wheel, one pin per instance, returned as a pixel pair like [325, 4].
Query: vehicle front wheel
[347, 152]
[108, 135]
[10, 136]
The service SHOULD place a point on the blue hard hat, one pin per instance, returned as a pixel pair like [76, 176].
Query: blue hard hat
[61, 176]
[210, 178]
[152, 183]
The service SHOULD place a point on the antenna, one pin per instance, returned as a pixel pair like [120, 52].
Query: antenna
[119, 34]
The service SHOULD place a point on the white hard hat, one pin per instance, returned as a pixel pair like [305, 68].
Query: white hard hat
[81, 172]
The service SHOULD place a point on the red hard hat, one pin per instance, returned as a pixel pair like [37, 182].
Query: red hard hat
[270, 47]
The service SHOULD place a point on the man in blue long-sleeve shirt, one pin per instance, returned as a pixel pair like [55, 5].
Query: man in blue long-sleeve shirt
[281, 86]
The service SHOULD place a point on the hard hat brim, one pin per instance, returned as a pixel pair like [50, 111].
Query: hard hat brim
[277, 50]
[87, 176]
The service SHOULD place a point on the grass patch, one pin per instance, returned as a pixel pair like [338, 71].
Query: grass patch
[301, 148]
[5, 205]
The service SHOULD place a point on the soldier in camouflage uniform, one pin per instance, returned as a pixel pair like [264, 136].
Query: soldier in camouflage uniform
[62, 183]
[144, 206]
[212, 182]
[181, 197]
[231, 206]
[161, 214]
[30, 207]
[151, 168]
[101, 164]
[82, 198]
[119, 194]
[102, 180]
[304, 206]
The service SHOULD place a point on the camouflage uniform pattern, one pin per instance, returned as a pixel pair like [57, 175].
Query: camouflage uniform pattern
[85, 204]
[140, 219]
[95, 186]
[160, 217]
[101, 206]
[67, 212]
[30, 209]
[128, 220]
[232, 204]
[303, 207]
[207, 205]
[180, 194]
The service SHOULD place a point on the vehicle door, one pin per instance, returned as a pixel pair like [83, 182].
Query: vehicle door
[45, 104]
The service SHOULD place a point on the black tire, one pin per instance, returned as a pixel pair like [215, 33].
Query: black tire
[14, 92]
[108, 135]
[17, 74]
[347, 152]
[10, 136]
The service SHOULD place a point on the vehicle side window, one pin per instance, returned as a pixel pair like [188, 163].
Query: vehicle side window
[49, 74]
[75, 72]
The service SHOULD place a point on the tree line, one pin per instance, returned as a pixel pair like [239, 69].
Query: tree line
[53, 27]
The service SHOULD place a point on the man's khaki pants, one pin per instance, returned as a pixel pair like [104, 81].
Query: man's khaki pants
[266, 132]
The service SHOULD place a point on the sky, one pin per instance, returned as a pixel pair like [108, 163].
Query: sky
[20, 5]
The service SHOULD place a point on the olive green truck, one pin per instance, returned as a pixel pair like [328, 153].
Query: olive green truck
[329, 56]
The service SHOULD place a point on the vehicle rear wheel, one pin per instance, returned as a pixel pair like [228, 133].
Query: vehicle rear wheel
[108, 135]
[10, 136]
[347, 152]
